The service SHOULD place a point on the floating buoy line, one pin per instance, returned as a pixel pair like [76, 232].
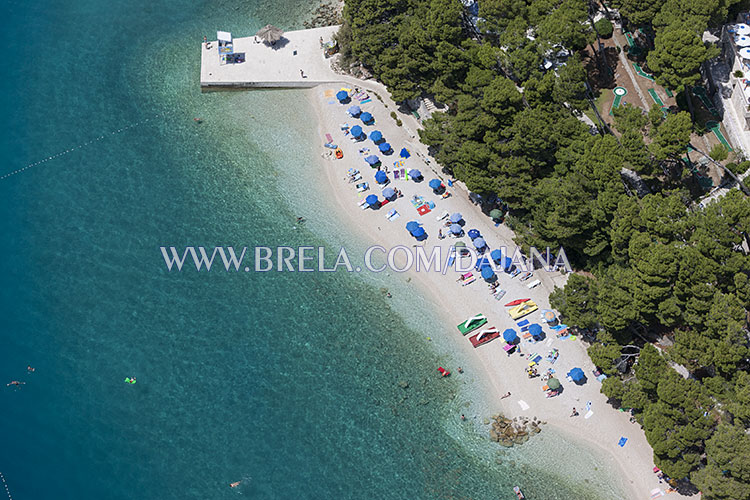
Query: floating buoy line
[6, 486]
[85, 144]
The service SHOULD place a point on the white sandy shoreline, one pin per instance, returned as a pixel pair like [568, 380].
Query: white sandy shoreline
[502, 373]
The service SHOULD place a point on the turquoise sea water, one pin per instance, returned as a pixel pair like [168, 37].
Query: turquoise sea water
[289, 382]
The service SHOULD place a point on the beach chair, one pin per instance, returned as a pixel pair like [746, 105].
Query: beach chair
[533, 284]
[508, 347]
[442, 216]
[396, 175]
[526, 336]
[363, 205]
[362, 187]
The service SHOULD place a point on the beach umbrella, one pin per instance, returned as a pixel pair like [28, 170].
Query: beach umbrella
[412, 225]
[553, 384]
[535, 330]
[435, 183]
[371, 200]
[742, 29]
[507, 263]
[380, 177]
[376, 136]
[366, 117]
[487, 273]
[510, 335]
[496, 214]
[372, 160]
[384, 147]
[460, 244]
[404, 153]
[354, 110]
[455, 229]
[742, 41]
[474, 234]
[418, 232]
[549, 315]
[342, 95]
[356, 131]
[415, 174]
[456, 218]
[269, 33]
[576, 374]
[389, 193]
[483, 262]
[745, 53]
[479, 243]
[496, 255]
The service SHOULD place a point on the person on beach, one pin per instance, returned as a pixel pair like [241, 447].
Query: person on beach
[301, 73]
[506, 395]
[205, 40]
[575, 413]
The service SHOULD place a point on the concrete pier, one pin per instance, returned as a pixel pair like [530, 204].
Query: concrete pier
[267, 66]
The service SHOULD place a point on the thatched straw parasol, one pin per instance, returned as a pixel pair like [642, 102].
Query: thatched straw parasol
[270, 33]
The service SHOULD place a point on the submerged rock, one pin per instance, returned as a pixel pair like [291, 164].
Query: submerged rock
[508, 432]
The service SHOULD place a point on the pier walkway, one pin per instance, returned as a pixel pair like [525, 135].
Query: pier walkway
[268, 66]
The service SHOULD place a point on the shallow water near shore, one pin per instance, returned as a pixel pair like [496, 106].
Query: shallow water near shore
[289, 382]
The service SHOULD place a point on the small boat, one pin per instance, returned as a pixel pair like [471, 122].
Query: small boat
[443, 372]
[516, 302]
[472, 323]
[518, 493]
[484, 337]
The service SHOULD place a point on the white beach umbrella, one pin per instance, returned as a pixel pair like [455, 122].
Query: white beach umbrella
[269, 33]
[745, 53]
[742, 41]
[742, 29]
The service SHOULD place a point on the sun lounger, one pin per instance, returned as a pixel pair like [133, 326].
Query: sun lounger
[499, 294]
[355, 178]
[443, 215]
[523, 322]
[363, 204]
[392, 214]
[534, 284]
[362, 187]
[537, 358]
[472, 323]
[515, 273]
[365, 101]
[526, 336]
[525, 276]
[508, 347]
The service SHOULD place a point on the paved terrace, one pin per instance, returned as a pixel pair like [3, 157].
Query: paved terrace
[269, 66]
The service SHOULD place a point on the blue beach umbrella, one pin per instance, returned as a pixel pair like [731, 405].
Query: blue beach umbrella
[415, 174]
[384, 147]
[535, 330]
[435, 183]
[371, 200]
[418, 232]
[389, 193]
[404, 153]
[372, 160]
[366, 117]
[356, 131]
[376, 136]
[479, 243]
[487, 273]
[380, 177]
[507, 263]
[455, 229]
[576, 374]
[456, 218]
[496, 255]
[354, 110]
[412, 225]
[483, 262]
[342, 95]
[510, 335]
[474, 234]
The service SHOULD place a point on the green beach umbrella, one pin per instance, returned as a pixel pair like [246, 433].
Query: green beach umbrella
[553, 384]
[459, 244]
[496, 214]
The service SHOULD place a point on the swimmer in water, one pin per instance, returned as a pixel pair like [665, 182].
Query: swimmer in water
[234, 484]
[30, 369]
[16, 383]
[198, 120]
[300, 220]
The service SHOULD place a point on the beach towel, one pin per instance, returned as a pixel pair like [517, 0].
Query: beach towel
[423, 210]
[657, 492]
[523, 323]
[507, 347]
[537, 358]
[622, 441]
[588, 405]
[588, 414]
[366, 101]
[329, 138]
[524, 406]
[329, 93]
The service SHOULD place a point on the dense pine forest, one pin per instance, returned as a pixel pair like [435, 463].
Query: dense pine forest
[662, 290]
